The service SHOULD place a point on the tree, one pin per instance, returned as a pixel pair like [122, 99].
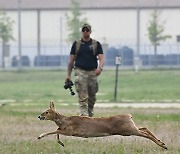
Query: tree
[6, 29]
[74, 21]
[155, 33]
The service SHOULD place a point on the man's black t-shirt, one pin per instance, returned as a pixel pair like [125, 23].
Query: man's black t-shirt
[85, 58]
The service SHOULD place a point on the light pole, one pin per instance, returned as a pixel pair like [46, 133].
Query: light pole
[38, 32]
[61, 41]
[137, 55]
[138, 30]
[61, 34]
[19, 36]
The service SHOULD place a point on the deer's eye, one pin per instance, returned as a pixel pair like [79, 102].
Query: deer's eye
[47, 112]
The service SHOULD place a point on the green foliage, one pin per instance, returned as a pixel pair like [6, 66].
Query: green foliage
[155, 33]
[156, 29]
[74, 21]
[6, 27]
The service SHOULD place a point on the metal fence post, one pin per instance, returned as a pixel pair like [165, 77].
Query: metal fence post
[117, 62]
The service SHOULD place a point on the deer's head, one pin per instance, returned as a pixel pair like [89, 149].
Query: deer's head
[48, 114]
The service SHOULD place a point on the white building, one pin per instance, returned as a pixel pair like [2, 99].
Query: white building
[113, 21]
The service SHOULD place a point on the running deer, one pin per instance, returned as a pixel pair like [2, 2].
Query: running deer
[81, 126]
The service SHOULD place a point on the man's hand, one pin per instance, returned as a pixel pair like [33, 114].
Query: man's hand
[68, 78]
[98, 71]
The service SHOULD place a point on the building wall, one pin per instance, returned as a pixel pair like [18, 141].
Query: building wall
[110, 24]
[115, 27]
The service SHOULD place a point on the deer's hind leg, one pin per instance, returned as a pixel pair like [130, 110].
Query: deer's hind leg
[149, 132]
[141, 132]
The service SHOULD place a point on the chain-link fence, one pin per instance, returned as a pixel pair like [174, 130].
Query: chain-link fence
[57, 56]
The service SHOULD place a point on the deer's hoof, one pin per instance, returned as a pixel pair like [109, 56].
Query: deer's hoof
[62, 144]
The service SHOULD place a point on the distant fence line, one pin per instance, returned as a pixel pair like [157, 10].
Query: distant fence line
[56, 56]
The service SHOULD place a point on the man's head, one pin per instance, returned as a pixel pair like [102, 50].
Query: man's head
[86, 31]
[86, 27]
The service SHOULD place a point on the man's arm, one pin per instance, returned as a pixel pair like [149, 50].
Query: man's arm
[101, 64]
[101, 61]
[70, 67]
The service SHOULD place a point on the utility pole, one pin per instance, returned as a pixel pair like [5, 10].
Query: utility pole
[19, 36]
[61, 41]
[38, 33]
[137, 55]
[38, 36]
[138, 30]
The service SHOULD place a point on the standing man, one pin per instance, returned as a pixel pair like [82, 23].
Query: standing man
[87, 58]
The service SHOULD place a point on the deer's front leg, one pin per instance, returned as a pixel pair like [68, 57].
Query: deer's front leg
[46, 134]
[61, 143]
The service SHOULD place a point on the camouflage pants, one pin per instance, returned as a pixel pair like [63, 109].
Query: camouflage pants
[86, 86]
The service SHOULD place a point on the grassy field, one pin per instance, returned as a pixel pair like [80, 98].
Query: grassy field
[40, 86]
[20, 127]
[27, 94]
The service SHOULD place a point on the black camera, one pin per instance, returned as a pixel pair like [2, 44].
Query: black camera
[68, 85]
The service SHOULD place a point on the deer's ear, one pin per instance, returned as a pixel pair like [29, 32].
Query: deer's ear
[52, 105]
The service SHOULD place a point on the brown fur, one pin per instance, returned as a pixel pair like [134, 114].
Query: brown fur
[95, 127]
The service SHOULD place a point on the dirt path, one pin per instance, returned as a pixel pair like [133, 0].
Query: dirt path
[139, 105]
[105, 105]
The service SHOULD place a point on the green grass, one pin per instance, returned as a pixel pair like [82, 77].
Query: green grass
[40, 86]
[20, 128]
[162, 117]
[80, 147]
[32, 91]
[146, 85]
